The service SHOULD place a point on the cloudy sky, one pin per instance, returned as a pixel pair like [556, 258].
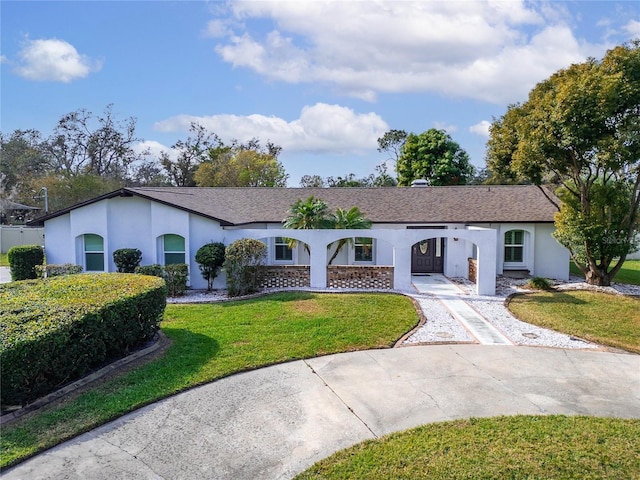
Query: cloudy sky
[323, 79]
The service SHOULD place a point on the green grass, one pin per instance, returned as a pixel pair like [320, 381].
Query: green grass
[519, 447]
[4, 261]
[629, 273]
[216, 340]
[612, 320]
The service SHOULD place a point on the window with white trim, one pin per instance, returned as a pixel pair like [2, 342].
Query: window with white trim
[283, 252]
[514, 246]
[363, 249]
[93, 246]
[173, 249]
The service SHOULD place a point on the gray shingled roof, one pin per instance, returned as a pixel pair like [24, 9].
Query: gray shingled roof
[459, 204]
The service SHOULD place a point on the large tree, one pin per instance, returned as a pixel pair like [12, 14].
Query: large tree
[580, 129]
[241, 168]
[434, 157]
[86, 144]
[191, 153]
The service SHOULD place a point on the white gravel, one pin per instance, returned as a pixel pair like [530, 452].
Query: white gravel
[442, 327]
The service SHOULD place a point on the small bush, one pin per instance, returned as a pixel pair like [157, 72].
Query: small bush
[210, 258]
[127, 259]
[154, 270]
[53, 270]
[23, 260]
[176, 277]
[244, 261]
[57, 330]
[539, 283]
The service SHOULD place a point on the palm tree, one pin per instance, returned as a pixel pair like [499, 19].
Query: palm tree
[307, 214]
[352, 219]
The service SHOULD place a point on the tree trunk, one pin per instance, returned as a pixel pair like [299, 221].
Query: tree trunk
[598, 277]
[338, 248]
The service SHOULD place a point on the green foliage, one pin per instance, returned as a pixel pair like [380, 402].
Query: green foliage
[210, 258]
[242, 168]
[596, 235]
[23, 260]
[539, 283]
[435, 157]
[55, 331]
[345, 220]
[176, 276]
[127, 259]
[155, 270]
[579, 128]
[243, 265]
[53, 270]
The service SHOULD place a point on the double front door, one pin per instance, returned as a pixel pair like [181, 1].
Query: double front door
[427, 256]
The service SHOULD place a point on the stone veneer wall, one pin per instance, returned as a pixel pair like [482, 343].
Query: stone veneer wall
[473, 269]
[359, 276]
[286, 276]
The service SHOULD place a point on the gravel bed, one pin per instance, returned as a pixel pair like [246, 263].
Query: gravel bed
[440, 326]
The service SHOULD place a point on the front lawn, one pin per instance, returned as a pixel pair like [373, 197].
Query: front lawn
[629, 273]
[612, 320]
[533, 447]
[216, 340]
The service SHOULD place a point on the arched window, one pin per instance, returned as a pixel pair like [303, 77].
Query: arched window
[93, 252]
[514, 246]
[173, 249]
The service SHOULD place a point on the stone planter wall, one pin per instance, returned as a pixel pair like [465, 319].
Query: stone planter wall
[359, 276]
[286, 276]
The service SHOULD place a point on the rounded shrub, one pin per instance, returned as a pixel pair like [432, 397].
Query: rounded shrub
[210, 258]
[244, 261]
[23, 260]
[127, 259]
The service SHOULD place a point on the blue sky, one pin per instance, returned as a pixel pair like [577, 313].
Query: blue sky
[322, 79]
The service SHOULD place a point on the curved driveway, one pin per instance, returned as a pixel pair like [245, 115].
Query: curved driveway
[275, 422]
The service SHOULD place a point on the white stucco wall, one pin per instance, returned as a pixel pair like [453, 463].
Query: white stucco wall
[133, 222]
[551, 258]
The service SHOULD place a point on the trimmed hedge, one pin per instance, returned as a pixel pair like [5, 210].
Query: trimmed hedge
[23, 260]
[54, 331]
[55, 270]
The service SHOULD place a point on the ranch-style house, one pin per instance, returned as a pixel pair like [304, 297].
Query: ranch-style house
[473, 232]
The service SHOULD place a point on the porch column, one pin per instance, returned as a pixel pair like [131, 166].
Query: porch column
[401, 267]
[318, 265]
[486, 275]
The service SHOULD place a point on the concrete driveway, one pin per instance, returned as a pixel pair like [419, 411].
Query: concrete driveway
[275, 422]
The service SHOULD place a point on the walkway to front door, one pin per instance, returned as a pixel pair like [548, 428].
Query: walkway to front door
[450, 296]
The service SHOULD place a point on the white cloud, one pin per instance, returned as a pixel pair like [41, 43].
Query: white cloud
[320, 128]
[633, 27]
[3, 59]
[53, 60]
[154, 149]
[446, 127]
[481, 128]
[493, 50]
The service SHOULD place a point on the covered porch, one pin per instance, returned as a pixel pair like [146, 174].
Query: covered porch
[401, 240]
